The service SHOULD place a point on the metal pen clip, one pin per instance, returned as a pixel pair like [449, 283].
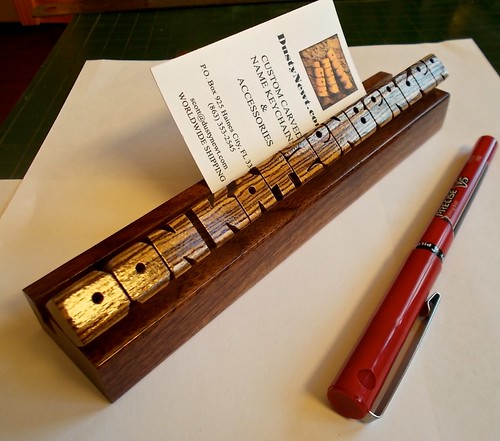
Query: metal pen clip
[405, 357]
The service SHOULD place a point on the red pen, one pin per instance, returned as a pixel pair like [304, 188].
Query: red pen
[358, 385]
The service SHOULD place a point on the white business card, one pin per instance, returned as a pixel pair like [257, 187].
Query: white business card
[240, 100]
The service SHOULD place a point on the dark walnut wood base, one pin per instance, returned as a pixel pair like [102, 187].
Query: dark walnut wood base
[122, 355]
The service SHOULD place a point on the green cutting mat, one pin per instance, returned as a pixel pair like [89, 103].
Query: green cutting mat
[163, 34]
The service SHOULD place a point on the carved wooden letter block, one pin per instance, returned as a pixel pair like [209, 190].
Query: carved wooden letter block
[343, 131]
[140, 270]
[378, 108]
[253, 194]
[303, 159]
[394, 98]
[89, 307]
[179, 244]
[325, 145]
[361, 119]
[437, 68]
[277, 173]
[221, 215]
[408, 86]
[423, 76]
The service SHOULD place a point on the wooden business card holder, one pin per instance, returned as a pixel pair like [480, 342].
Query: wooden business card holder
[185, 295]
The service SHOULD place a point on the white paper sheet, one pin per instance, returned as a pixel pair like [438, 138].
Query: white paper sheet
[261, 369]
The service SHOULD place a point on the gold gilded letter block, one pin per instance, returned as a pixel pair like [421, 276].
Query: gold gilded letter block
[89, 307]
[140, 270]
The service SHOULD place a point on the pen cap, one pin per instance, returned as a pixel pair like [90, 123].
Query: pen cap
[359, 384]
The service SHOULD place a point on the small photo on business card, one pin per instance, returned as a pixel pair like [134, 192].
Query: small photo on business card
[328, 71]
